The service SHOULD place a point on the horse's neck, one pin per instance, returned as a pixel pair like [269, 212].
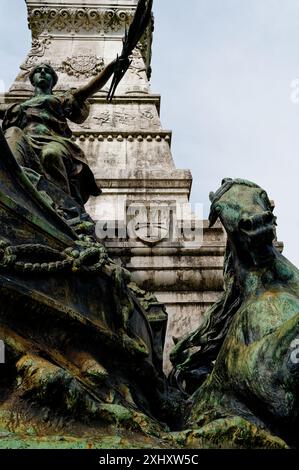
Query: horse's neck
[279, 272]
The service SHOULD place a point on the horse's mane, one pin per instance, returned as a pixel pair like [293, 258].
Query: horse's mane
[210, 335]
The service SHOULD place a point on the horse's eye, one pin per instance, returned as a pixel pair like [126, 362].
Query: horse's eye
[264, 196]
[218, 208]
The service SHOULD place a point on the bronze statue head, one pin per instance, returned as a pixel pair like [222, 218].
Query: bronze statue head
[44, 70]
[246, 213]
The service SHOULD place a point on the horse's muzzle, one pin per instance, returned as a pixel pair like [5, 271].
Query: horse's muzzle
[259, 226]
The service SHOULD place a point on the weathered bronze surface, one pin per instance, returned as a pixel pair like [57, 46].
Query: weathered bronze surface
[38, 134]
[82, 361]
[81, 358]
[240, 366]
[84, 345]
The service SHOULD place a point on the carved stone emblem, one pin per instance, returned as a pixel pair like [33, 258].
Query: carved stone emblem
[150, 223]
[151, 233]
[87, 65]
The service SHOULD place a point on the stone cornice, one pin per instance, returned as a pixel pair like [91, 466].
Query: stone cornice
[85, 3]
[7, 99]
[119, 248]
[120, 136]
[84, 20]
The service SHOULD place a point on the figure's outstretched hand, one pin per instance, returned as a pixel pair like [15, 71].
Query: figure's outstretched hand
[121, 66]
[98, 82]
[122, 63]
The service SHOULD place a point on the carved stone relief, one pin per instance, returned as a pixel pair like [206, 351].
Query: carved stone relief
[122, 118]
[46, 20]
[150, 223]
[82, 65]
[102, 118]
[87, 21]
[38, 49]
[137, 67]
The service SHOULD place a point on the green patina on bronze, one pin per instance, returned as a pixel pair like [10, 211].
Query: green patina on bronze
[81, 356]
[250, 332]
[82, 360]
[84, 345]
[39, 136]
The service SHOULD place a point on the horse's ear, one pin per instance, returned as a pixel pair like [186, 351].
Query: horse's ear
[213, 216]
[226, 180]
[272, 205]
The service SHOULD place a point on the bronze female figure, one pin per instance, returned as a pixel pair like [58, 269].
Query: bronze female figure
[39, 135]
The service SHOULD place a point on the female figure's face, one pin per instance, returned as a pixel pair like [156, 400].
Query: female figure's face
[43, 78]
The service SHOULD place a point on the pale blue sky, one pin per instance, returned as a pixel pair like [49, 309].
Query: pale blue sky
[224, 70]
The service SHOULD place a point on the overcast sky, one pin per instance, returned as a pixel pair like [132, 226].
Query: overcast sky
[224, 69]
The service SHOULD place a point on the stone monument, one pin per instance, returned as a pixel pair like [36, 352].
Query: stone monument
[81, 344]
[143, 210]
